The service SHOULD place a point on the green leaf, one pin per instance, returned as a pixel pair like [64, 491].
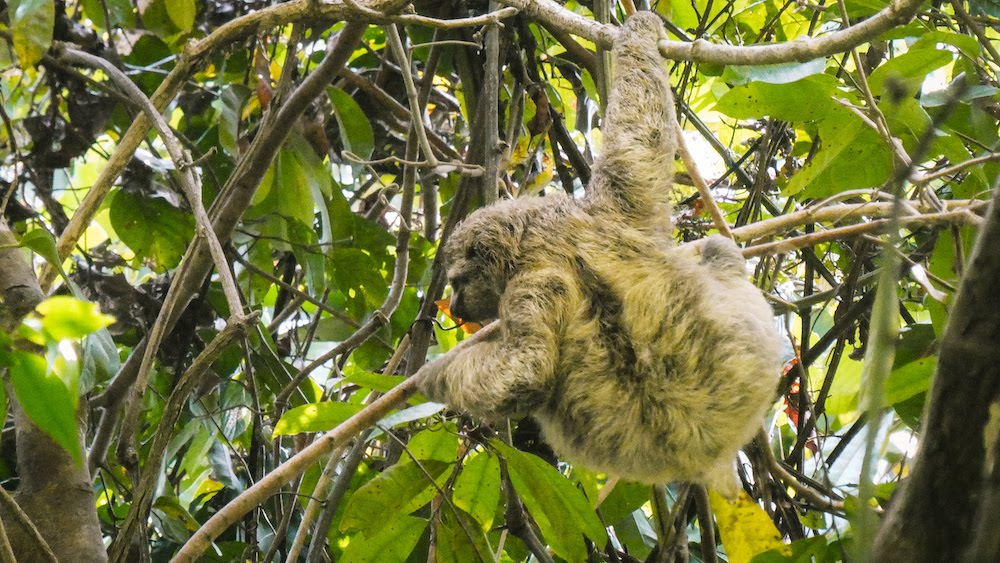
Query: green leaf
[477, 488]
[852, 155]
[964, 43]
[171, 506]
[914, 364]
[804, 100]
[314, 417]
[392, 545]
[42, 243]
[355, 129]
[31, 23]
[154, 229]
[182, 13]
[374, 381]
[46, 399]
[284, 199]
[100, 360]
[120, 13]
[392, 495]
[66, 317]
[355, 271]
[439, 443]
[625, 499]
[460, 539]
[799, 551]
[562, 512]
[230, 106]
[783, 73]
[907, 71]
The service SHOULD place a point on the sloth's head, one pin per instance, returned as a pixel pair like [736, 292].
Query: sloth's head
[483, 254]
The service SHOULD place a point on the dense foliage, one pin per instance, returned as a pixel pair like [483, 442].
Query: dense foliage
[332, 147]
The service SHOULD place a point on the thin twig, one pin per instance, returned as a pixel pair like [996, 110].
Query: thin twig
[13, 509]
[926, 178]
[418, 115]
[814, 497]
[718, 218]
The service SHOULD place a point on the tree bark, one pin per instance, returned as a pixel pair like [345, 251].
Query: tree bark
[933, 518]
[54, 491]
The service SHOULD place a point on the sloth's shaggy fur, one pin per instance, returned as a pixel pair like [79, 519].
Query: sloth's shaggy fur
[635, 358]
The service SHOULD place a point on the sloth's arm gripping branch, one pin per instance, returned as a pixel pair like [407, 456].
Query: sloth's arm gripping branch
[506, 369]
[635, 170]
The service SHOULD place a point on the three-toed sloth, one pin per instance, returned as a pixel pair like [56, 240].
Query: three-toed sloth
[636, 358]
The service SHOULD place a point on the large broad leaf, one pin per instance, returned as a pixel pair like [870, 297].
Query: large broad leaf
[31, 23]
[314, 417]
[230, 106]
[477, 488]
[355, 129]
[47, 400]
[804, 100]
[391, 545]
[182, 13]
[744, 527]
[460, 539]
[398, 491]
[561, 510]
[439, 443]
[851, 155]
[154, 229]
[783, 73]
[904, 74]
[120, 13]
[65, 317]
[374, 381]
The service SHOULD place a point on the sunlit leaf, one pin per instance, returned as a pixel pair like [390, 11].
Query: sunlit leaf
[31, 23]
[67, 317]
[562, 511]
[391, 545]
[182, 13]
[46, 399]
[744, 528]
[396, 492]
[477, 488]
[439, 443]
[314, 417]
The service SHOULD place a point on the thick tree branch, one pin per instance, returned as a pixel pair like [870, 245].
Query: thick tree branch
[932, 519]
[898, 12]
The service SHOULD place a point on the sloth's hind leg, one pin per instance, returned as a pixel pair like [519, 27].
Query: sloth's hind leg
[722, 255]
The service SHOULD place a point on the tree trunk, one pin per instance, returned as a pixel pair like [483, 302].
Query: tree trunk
[933, 519]
[54, 491]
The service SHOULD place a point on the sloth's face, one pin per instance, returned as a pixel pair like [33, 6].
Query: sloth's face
[474, 297]
[483, 254]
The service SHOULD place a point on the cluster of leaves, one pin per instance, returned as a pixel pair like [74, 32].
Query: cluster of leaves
[316, 253]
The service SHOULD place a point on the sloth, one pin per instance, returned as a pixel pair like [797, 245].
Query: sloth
[636, 358]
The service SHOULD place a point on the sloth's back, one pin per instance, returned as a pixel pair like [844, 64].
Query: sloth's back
[666, 367]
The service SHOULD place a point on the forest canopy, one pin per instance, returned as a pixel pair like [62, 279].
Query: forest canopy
[219, 265]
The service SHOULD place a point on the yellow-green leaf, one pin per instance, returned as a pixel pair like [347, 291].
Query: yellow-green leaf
[314, 417]
[395, 493]
[563, 513]
[477, 488]
[392, 545]
[31, 23]
[744, 527]
[67, 317]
